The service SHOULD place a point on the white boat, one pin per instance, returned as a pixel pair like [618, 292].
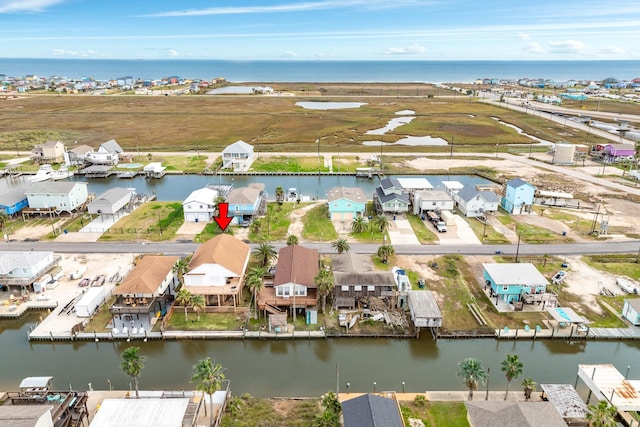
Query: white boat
[292, 194]
[43, 174]
[62, 173]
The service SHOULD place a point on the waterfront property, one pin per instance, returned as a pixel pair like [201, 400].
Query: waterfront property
[293, 286]
[518, 196]
[247, 203]
[49, 152]
[567, 402]
[217, 269]
[77, 155]
[631, 311]
[607, 383]
[491, 413]
[452, 187]
[147, 291]
[424, 309]
[346, 203]
[431, 200]
[511, 282]
[13, 201]
[107, 154]
[475, 203]
[200, 205]
[56, 197]
[154, 170]
[356, 280]
[390, 198]
[238, 156]
[21, 269]
[111, 203]
[371, 410]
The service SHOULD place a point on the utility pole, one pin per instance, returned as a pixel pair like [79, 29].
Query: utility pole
[451, 152]
[318, 142]
[518, 247]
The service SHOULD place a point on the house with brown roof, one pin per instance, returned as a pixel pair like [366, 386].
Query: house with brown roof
[293, 286]
[217, 269]
[147, 290]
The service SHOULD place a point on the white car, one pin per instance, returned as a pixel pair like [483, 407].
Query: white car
[559, 277]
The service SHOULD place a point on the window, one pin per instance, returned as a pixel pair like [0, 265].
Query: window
[371, 288]
[358, 287]
[505, 288]
[344, 288]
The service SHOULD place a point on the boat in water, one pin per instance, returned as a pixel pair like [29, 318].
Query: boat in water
[292, 195]
[43, 174]
[62, 173]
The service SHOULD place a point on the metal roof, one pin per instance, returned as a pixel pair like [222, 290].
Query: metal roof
[565, 314]
[515, 274]
[415, 184]
[566, 399]
[555, 194]
[607, 383]
[423, 304]
[141, 412]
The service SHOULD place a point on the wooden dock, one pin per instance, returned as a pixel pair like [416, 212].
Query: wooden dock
[630, 333]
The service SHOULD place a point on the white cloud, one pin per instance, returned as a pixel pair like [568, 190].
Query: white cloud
[289, 54]
[13, 6]
[568, 46]
[611, 50]
[533, 47]
[524, 36]
[73, 53]
[172, 53]
[414, 49]
[284, 8]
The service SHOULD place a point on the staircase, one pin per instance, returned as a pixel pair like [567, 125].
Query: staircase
[272, 309]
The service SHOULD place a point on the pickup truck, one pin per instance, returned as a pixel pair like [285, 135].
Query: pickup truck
[441, 227]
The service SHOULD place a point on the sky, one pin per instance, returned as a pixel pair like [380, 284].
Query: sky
[321, 29]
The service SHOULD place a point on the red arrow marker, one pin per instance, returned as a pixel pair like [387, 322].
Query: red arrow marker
[222, 219]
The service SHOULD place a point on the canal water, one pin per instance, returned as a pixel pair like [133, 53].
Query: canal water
[178, 187]
[301, 367]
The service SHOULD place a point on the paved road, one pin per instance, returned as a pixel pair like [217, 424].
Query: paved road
[183, 248]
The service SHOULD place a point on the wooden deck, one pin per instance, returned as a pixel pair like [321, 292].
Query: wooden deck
[632, 332]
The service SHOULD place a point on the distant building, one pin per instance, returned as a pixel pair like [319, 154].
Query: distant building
[49, 152]
[107, 154]
[238, 156]
[474, 203]
[631, 311]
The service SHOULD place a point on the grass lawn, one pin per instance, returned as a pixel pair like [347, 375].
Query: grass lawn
[275, 224]
[318, 226]
[247, 411]
[490, 233]
[424, 234]
[578, 225]
[207, 322]
[436, 414]
[186, 164]
[101, 318]
[289, 164]
[619, 265]
[155, 221]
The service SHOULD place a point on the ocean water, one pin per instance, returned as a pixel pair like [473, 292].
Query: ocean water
[323, 71]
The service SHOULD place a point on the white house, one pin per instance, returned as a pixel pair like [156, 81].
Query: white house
[107, 154]
[65, 196]
[23, 268]
[77, 155]
[238, 156]
[474, 203]
[200, 205]
[431, 200]
[631, 311]
[112, 202]
[452, 187]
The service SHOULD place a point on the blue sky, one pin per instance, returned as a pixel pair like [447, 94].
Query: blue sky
[321, 29]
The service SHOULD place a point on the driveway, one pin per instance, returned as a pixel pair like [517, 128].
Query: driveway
[401, 233]
[458, 234]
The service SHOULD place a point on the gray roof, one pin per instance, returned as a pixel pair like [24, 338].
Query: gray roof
[96, 168]
[51, 187]
[433, 195]
[390, 183]
[355, 269]
[517, 182]
[491, 413]
[112, 146]
[424, 304]
[109, 197]
[468, 192]
[634, 303]
[384, 198]
[566, 399]
[23, 415]
[370, 410]
[81, 149]
[238, 147]
[9, 261]
[515, 274]
[12, 197]
[243, 196]
[354, 194]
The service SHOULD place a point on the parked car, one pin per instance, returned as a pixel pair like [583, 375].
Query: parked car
[441, 227]
[84, 282]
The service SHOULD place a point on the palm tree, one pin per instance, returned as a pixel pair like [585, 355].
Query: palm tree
[183, 298]
[4, 218]
[180, 268]
[265, 253]
[385, 252]
[472, 373]
[512, 368]
[198, 303]
[382, 223]
[359, 225]
[529, 386]
[279, 194]
[602, 415]
[255, 283]
[341, 245]
[208, 378]
[132, 364]
[325, 283]
[292, 240]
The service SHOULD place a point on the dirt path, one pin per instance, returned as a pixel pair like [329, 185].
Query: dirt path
[296, 226]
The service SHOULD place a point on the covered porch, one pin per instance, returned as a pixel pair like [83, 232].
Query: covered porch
[220, 296]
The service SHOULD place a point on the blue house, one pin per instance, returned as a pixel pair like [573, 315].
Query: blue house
[390, 197]
[346, 204]
[13, 201]
[510, 281]
[518, 196]
[631, 311]
[245, 203]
